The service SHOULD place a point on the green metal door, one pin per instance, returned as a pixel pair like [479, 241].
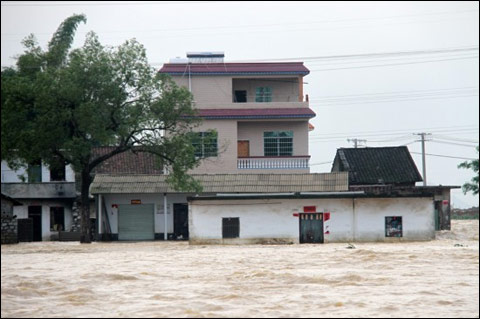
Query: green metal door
[311, 228]
[136, 222]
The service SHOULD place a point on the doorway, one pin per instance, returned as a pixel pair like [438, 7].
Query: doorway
[311, 228]
[180, 221]
[35, 214]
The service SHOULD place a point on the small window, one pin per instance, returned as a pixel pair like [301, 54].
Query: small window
[34, 172]
[393, 226]
[57, 219]
[240, 96]
[263, 94]
[231, 227]
[205, 144]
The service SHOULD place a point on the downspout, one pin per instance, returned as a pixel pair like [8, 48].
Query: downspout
[354, 221]
[165, 233]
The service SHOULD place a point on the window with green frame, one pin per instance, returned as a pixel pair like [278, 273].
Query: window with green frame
[34, 172]
[278, 143]
[263, 94]
[205, 144]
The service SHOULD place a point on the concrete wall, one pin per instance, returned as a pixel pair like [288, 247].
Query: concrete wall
[273, 221]
[156, 199]
[22, 212]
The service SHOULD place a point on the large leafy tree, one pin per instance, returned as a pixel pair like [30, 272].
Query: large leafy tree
[471, 186]
[60, 104]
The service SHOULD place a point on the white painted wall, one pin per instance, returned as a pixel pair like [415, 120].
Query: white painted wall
[156, 199]
[350, 219]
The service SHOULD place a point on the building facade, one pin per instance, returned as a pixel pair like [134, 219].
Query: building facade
[47, 197]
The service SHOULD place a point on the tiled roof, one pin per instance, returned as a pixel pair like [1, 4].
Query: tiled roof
[224, 183]
[126, 163]
[377, 165]
[256, 113]
[234, 68]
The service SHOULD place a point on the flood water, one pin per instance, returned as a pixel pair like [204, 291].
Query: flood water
[172, 279]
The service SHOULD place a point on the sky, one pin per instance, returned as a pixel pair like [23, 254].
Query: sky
[379, 71]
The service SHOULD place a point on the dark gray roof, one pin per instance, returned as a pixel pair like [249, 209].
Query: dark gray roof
[224, 183]
[377, 165]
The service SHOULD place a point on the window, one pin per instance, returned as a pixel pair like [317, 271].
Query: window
[34, 172]
[205, 144]
[278, 143]
[57, 172]
[57, 219]
[263, 94]
[240, 96]
[231, 227]
[393, 226]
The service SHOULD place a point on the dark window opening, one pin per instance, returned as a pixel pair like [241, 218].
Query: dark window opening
[240, 96]
[393, 226]
[57, 219]
[57, 172]
[231, 227]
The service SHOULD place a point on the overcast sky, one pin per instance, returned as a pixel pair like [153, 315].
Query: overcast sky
[355, 92]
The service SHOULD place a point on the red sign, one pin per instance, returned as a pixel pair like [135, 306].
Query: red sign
[326, 216]
[136, 201]
[309, 209]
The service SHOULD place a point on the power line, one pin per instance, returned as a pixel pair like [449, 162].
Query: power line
[446, 156]
[452, 143]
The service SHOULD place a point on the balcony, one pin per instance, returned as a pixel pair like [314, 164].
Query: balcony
[277, 162]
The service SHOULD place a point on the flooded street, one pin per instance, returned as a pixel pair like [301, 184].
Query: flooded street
[173, 279]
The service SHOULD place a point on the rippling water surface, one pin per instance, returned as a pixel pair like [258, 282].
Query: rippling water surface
[172, 279]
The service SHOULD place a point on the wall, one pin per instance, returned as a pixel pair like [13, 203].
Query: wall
[283, 89]
[226, 161]
[350, 219]
[157, 199]
[216, 92]
[253, 131]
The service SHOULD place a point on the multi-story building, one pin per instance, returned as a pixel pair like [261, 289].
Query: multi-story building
[258, 110]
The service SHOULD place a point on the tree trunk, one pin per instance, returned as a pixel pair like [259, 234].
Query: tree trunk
[85, 237]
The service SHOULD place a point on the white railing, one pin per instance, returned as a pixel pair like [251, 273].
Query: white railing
[288, 162]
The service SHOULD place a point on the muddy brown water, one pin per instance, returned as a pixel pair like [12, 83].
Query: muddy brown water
[439, 278]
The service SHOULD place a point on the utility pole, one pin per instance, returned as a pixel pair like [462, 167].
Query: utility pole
[424, 168]
[356, 141]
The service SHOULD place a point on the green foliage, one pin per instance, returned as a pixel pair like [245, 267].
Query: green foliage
[473, 186]
[59, 105]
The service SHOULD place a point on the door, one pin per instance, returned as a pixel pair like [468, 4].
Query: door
[311, 228]
[243, 148]
[180, 221]
[136, 222]
[35, 214]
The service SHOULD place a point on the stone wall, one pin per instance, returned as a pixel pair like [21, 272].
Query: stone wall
[9, 229]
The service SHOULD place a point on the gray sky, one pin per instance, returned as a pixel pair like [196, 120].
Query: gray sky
[353, 96]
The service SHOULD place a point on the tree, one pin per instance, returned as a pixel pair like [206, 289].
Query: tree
[473, 186]
[59, 105]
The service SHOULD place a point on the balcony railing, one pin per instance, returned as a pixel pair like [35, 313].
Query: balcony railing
[278, 162]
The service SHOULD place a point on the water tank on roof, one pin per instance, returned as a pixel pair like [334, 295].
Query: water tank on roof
[205, 57]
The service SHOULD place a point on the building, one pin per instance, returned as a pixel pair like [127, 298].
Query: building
[258, 110]
[47, 197]
[256, 177]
